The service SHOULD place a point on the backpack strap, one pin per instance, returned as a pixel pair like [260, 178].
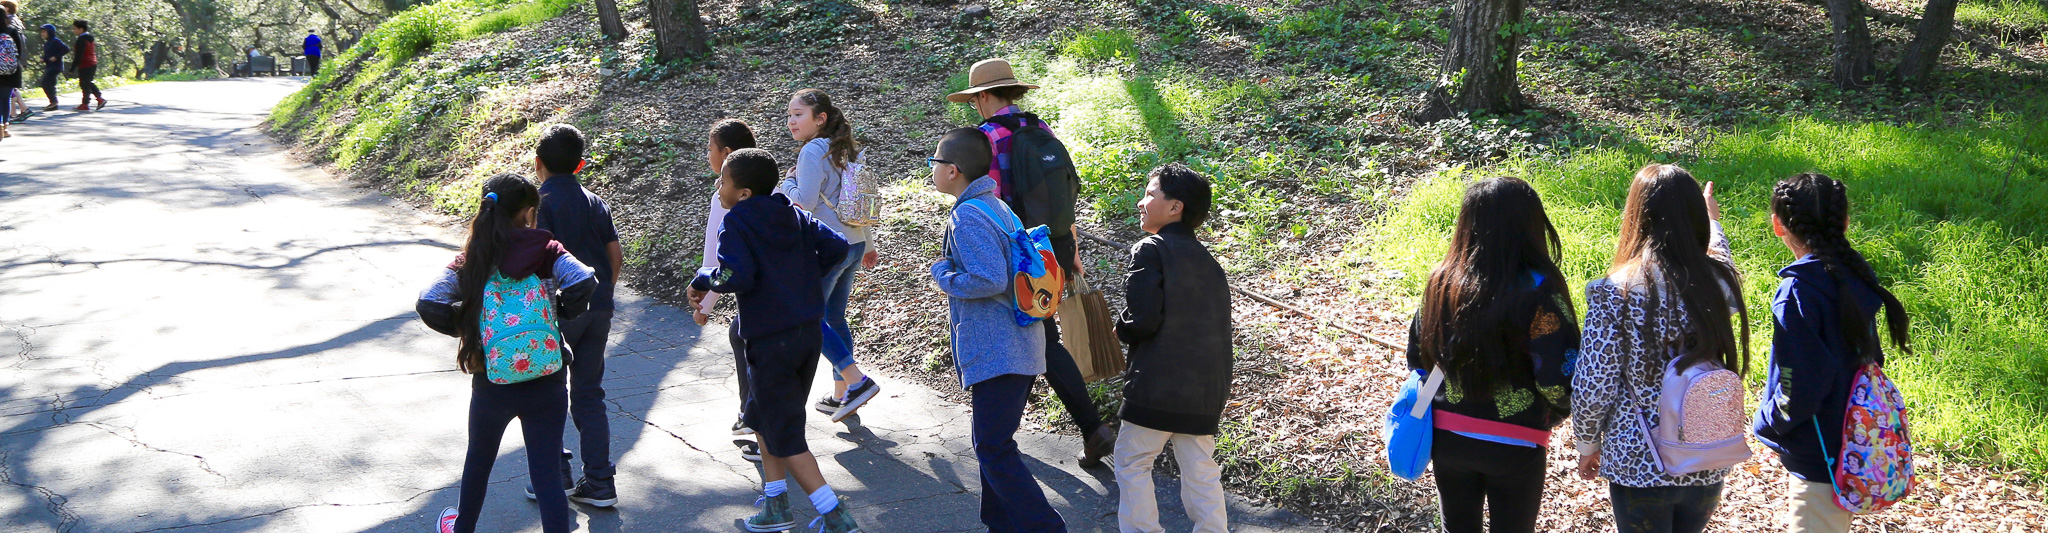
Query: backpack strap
[1013, 226]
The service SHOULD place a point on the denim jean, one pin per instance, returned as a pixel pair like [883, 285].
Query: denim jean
[838, 345]
[1011, 500]
[1663, 509]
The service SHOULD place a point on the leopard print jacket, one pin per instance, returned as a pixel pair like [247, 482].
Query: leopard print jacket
[1619, 378]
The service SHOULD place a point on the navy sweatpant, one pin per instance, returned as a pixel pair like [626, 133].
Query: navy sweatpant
[540, 405]
[587, 336]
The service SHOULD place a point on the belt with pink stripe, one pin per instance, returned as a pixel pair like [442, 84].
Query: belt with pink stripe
[1449, 421]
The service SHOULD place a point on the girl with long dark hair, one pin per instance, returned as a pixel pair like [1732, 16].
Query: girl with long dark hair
[814, 185]
[1498, 320]
[504, 245]
[1671, 293]
[1824, 322]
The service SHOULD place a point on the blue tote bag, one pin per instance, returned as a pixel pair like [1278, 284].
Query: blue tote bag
[1410, 423]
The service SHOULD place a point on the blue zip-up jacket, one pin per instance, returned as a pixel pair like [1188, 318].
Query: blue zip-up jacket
[773, 257]
[312, 45]
[1810, 367]
[976, 275]
[54, 49]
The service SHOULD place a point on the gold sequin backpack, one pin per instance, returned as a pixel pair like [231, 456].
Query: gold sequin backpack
[1701, 423]
[858, 201]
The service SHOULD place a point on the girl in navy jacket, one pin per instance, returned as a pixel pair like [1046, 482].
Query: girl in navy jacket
[1825, 316]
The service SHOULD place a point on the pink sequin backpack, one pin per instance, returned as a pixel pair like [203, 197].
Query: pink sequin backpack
[1701, 423]
[1875, 467]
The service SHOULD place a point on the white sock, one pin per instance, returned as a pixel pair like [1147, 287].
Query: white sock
[824, 500]
[774, 488]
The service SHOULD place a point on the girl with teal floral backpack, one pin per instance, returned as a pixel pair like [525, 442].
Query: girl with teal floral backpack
[1837, 423]
[504, 298]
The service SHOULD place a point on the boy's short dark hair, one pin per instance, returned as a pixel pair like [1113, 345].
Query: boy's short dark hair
[968, 149]
[752, 169]
[81, 24]
[1179, 182]
[732, 134]
[1008, 92]
[560, 148]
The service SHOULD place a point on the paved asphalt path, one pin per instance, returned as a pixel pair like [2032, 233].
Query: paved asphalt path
[199, 333]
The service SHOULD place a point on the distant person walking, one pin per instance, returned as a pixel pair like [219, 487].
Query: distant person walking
[312, 53]
[53, 63]
[85, 59]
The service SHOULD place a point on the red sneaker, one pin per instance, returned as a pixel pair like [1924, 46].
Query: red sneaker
[103, 103]
[447, 522]
[82, 107]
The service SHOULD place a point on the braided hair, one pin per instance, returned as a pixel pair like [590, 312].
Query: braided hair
[1815, 208]
[505, 197]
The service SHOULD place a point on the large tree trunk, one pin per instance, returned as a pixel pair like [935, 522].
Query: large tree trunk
[678, 32]
[1923, 55]
[1854, 58]
[608, 20]
[1477, 73]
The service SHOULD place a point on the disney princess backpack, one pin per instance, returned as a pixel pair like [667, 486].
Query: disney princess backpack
[1874, 466]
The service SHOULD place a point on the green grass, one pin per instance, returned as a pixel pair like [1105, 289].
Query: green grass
[1951, 218]
[1100, 45]
[2030, 16]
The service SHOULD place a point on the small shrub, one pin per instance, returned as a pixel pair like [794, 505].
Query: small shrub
[1100, 45]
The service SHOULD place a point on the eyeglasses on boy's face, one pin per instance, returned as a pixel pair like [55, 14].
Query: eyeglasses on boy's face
[935, 162]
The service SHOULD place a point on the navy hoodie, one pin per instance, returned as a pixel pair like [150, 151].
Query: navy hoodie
[54, 49]
[1811, 368]
[773, 257]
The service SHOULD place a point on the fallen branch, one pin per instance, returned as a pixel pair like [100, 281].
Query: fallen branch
[1276, 303]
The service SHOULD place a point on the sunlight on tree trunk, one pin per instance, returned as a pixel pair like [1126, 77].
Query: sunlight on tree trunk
[608, 20]
[678, 32]
[1477, 73]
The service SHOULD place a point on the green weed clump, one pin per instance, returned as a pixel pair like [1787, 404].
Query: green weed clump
[2024, 16]
[1101, 44]
[1950, 217]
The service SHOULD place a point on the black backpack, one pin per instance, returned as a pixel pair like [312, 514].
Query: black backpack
[1042, 181]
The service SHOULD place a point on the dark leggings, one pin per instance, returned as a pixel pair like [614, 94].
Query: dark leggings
[49, 85]
[1472, 474]
[1664, 509]
[85, 83]
[542, 406]
[1065, 378]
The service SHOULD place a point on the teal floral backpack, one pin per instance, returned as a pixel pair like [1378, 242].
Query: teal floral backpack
[520, 340]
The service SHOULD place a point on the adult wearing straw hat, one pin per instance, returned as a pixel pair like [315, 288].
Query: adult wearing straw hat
[993, 89]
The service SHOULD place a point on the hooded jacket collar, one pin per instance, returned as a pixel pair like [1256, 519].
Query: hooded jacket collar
[1812, 270]
[770, 220]
[982, 186]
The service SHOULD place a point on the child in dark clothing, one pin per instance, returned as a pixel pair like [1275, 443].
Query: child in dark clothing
[1177, 321]
[54, 50]
[86, 60]
[1825, 316]
[503, 246]
[1497, 319]
[727, 136]
[583, 223]
[773, 258]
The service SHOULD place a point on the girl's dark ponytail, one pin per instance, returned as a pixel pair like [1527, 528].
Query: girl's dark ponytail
[1815, 208]
[843, 148]
[505, 197]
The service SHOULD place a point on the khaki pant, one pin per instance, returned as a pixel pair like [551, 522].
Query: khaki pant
[1201, 481]
[1813, 508]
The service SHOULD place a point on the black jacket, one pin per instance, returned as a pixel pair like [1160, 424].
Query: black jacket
[1180, 360]
[1552, 346]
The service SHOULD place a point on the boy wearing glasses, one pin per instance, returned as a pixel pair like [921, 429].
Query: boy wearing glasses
[996, 359]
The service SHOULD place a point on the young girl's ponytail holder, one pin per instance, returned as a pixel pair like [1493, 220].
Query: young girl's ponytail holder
[491, 197]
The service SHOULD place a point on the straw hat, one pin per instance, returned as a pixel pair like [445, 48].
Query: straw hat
[988, 74]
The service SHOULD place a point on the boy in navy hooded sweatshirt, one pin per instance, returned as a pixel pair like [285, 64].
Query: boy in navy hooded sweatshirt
[773, 258]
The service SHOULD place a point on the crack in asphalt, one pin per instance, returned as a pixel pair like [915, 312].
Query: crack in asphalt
[616, 408]
[292, 508]
[136, 439]
[57, 503]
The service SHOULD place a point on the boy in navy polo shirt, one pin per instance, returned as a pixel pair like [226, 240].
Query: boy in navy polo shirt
[582, 222]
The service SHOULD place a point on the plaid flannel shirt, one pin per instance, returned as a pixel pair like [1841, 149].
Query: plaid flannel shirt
[999, 139]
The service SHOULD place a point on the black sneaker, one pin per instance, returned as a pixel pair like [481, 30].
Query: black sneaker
[739, 427]
[749, 450]
[595, 492]
[827, 404]
[855, 397]
[568, 476]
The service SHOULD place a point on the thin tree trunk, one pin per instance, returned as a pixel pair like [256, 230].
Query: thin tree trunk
[1854, 59]
[678, 32]
[1923, 55]
[608, 20]
[1477, 73]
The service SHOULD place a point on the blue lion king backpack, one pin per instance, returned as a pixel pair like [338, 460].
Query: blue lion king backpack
[1035, 287]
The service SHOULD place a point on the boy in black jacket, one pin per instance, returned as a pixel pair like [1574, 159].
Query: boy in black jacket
[773, 256]
[1177, 322]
